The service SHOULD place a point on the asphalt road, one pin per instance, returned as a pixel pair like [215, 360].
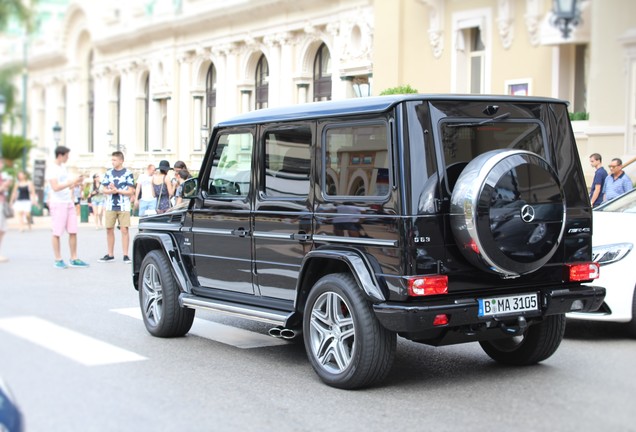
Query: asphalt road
[78, 358]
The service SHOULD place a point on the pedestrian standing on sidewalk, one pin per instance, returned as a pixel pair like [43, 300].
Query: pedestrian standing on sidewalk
[5, 184]
[145, 197]
[596, 190]
[182, 175]
[118, 185]
[62, 208]
[97, 201]
[617, 183]
[22, 199]
[163, 187]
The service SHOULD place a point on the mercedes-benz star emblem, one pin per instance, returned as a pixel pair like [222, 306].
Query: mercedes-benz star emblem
[527, 213]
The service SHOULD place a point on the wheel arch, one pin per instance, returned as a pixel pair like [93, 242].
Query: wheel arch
[319, 263]
[145, 243]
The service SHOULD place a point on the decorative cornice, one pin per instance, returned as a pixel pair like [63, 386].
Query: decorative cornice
[436, 25]
[533, 21]
[505, 21]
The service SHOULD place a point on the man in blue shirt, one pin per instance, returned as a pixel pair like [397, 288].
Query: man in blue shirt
[596, 191]
[617, 183]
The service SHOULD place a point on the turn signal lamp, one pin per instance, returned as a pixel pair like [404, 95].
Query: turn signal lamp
[583, 271]
[428, 285]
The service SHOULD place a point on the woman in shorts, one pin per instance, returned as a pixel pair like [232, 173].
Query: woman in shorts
[97, 201]
[22, 199]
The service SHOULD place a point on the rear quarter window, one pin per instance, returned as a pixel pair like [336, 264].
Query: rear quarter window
[357, 160]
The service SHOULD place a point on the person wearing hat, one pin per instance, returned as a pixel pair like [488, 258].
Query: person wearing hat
[162, 186]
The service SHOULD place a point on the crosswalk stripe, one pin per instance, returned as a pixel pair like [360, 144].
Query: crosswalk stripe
[68, 343]
[228, 335]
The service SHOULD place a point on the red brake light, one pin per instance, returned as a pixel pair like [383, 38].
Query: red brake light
[583, 271]
[428, 285]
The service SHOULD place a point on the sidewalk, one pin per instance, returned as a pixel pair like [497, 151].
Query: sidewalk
[32, 249]
[44, 222]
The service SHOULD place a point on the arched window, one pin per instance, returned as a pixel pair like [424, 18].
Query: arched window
[90, 97]
[322, 74]
[262, 82]
[210, 96]
[146, 112]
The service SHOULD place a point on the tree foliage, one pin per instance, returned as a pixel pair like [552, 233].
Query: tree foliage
[15, 9]
[12, 146]
[403, 89]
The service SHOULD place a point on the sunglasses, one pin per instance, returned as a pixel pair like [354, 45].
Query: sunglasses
[613, 166]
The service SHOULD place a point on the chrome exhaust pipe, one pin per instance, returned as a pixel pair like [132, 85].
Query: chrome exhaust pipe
[275, 332]
[284, 333]
[289, 333]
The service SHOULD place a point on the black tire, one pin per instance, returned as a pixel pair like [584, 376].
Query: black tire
[631, 326]
[538, 343]
[159, 298]
[345, 343]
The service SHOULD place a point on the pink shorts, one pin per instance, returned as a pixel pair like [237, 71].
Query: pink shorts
[63, 218]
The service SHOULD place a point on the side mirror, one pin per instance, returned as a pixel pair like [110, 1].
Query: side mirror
[190, 187]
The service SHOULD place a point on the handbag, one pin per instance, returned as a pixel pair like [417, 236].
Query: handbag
[7, 210]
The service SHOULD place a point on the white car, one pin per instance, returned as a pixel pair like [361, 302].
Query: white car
[614, 238]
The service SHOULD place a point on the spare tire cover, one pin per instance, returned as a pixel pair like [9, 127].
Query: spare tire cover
[508, 212]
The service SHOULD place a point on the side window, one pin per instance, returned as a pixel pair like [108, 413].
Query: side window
[232, 166]
[357, 161]
[287, 162]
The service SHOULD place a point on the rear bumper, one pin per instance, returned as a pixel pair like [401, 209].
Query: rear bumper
[463, 310]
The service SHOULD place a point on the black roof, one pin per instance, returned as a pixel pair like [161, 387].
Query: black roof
[365, 105]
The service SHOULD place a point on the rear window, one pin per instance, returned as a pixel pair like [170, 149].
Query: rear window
[465, 139]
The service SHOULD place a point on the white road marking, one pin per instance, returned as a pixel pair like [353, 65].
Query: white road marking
[68, 343]
[228, 335]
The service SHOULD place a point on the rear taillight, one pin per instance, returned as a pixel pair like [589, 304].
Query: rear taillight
[582, 271]
[428, 285]
[440, 320]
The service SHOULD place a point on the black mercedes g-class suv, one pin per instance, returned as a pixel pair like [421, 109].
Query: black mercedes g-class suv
[440, 218]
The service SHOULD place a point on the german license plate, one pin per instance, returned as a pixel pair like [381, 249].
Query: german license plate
[508, 304]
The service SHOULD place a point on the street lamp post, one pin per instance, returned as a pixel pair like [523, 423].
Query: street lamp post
[566, 16]
[3, 105]
[109, 138]
[361, 86]
[57, 133]
[205, 133]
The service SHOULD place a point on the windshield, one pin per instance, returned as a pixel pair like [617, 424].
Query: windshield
[625, 203]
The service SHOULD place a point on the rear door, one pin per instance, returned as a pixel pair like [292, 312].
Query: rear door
[283, 208]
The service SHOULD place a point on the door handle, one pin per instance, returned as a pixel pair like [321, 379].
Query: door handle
[301, 236]
[240, 232]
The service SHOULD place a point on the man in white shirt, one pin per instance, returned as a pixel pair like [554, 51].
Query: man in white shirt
[62, 208]
[144, 186]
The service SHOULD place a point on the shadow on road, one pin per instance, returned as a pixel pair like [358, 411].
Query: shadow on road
[592, 330]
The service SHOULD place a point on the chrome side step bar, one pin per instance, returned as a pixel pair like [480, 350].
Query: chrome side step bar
[244, 311]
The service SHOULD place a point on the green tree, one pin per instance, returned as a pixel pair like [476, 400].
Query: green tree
[14, 9]
[404, 89]
[12, 146]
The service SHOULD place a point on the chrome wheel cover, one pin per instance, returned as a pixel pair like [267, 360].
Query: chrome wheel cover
[332, 332]
[152, 295]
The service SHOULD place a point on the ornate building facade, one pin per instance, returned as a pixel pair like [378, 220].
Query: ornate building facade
[152, 77]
